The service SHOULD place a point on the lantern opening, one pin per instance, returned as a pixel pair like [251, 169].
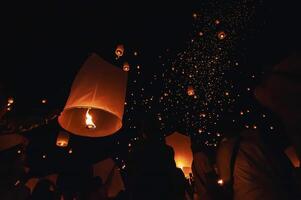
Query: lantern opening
[89, 121]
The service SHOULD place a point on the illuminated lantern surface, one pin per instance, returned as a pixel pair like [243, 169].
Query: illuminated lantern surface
[62, 139]
[10, 140]
[190, 91]
[292, 155]
[281, 91]
[126, 67]
[97, 95]
[119, 50]
[106, 168]
[221, 35]
[182, 147]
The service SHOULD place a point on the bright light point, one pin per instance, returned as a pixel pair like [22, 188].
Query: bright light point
[220, 182]
[70, 151]
[89, 121]
[44, 101]
[10, 101]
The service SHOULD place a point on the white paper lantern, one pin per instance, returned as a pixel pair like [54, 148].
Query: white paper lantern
[96, 102]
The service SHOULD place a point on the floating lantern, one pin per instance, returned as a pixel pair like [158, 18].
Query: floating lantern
[190, 91]
[126, 67]
[119, 50]
[96, 102]
[62, 139]
[220, 182]
[217, 22]
[10, 101]
[221, 35]
[182, 147]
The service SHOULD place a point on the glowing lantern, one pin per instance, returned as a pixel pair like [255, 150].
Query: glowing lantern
[220, 182]
[10, 101]
[107, 170]
[62, 139]
[126, 67]
[190, 91]
[183, 155]
[119, 50]
[96, 102]
[221, 35]
[217, 22]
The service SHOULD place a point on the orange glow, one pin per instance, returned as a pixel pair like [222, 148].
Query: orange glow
[126, 67]
[62, 139]
[190, 91]
[10, 101]
[220, 182]
[119, 50]
[89, 121]
[221, 35]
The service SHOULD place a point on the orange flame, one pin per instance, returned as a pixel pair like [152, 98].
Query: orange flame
[89, 121]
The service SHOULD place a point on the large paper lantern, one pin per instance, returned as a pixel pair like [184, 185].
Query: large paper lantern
[182, 147]
[96, 102]
[107, 168]
[62, 139]
[10, 140]
[281, 91]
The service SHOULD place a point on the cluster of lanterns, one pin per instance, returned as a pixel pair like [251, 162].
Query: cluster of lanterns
[10, 102]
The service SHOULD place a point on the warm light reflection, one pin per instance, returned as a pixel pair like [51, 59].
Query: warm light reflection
[89, 121]
[220, 182]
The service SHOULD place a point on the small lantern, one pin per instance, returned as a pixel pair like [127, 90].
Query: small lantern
[221, 35]
[96, 102]
[190, 91]
[217, 21]
[119, 50]
[126, 67]
[62, 139]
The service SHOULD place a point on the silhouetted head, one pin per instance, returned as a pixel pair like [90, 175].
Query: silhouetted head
[148, 126]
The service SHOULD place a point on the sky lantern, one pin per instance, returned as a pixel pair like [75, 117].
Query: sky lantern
[126, 67]
[182, 147]
[190, 91]
[119, 50]
[221, 35]
[62, 139]
[96, 102]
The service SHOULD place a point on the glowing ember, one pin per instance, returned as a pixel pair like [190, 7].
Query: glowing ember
[89, 121]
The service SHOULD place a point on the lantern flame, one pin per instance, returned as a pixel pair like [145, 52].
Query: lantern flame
[89, 121]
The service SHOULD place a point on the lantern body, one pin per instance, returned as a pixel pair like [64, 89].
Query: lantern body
[190, 91]
[281, 91]
[62, 139]
[126, 67]
[119, 50]
[221, 35]
[10, 140]
[182, 147]
[99, 88]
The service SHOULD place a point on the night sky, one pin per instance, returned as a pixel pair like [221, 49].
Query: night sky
[178, 47]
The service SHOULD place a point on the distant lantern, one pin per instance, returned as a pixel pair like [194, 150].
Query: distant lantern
[221, 35]
[10, 101]
[182, 148]
[119, 50]
[190, 91]
[96, 102]
[44, 101]
[126, 67]
[62, 139]
[217, 22]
